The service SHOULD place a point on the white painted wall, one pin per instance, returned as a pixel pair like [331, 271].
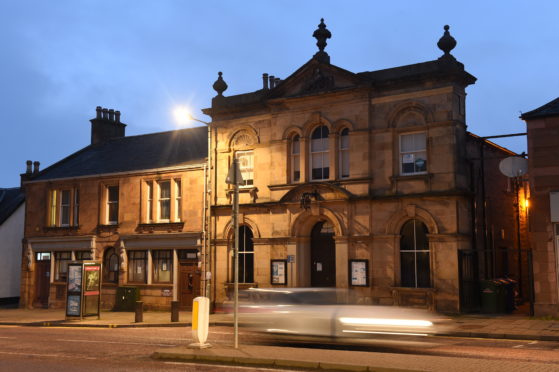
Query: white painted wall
[11, 234]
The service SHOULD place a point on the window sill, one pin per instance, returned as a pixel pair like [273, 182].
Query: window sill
[61, 229]
[252, 191]
[164, 226]
[108, 228]
[412, 176]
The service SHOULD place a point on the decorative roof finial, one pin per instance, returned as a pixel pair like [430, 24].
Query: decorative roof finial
[446, 42]
[321, 34]
[220, 85]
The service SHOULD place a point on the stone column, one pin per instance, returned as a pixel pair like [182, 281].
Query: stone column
[342, 259]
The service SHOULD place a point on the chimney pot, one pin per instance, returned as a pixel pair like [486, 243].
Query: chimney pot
[272, 81]
[36, 167]
[28, 169]
[277, 81]
[105, 113]
[98, 110]
[117, 116]
[265, 81]
[111, 115]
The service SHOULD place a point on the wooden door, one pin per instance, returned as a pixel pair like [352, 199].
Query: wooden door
[42, 283]
[323, 256]
[189, 284]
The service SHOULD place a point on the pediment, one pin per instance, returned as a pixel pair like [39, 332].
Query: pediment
[315, 77]
[315, 192]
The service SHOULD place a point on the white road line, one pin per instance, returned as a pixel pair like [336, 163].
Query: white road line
[231, 368]
[117, 342]
[6, 337]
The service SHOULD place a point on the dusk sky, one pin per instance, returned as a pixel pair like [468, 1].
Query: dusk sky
[61, 59]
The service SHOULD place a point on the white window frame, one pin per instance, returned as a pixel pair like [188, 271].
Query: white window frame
[324, 155]
[246, 171]
[178, 199]
[161, 199]
[76, 208]
[344, 151]
[411, 155]
[149, 205]
[111, 202]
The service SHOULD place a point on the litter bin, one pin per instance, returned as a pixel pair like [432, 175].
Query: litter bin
[126, 298]
[492, 297]
[509, 294]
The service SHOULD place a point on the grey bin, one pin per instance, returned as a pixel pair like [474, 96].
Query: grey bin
[493, 297]
[126, 298]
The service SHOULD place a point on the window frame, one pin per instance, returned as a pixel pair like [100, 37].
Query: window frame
[110, 203]
[156, 260]
[415, 251]
[108, 270]
[63, 207]
[178, 199]
[402, 153]
[161, 200]
[344, 151]
[244, 254]
[295, 158]
[324, 154]
[132, 267]
[61, 265]
[244, 171]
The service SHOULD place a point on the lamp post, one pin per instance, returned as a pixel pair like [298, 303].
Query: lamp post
[206, 249]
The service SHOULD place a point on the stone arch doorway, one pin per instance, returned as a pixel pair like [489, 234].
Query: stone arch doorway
[323, 255]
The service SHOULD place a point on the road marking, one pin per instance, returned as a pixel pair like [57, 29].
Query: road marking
[117, 342]
[6, 337]
[231, 368]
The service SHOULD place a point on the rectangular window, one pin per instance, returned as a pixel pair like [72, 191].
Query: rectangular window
[178, 200]
[246, 165]
[413, 153]
[162, 266]
[149, 206]
[61, 265]
[137, 263]
[83, 255]
[76, 207]
[296, 159]
[65, 208]
[112, 205]
[164, 201]
[43, 256]
[53, 201]
[344, 154]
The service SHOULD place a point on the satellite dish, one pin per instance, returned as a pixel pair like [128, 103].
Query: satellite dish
[513, 166]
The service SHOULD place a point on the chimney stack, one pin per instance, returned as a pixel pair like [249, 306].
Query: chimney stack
[265, 81]
[272, 81]
[28, 168]
[106, 125]
[36, 167]
[277, 81]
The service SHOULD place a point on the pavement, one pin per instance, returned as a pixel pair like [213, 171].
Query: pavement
[517, 327]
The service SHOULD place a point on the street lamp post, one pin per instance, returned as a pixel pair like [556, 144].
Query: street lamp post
[206, 261]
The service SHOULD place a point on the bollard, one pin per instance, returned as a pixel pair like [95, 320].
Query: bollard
[174, 311]
[200, 322]
[139, 312]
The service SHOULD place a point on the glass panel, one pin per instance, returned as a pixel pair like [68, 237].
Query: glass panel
[53, 208]
[112, 204]
[43, 256]
[164, 190]
[296, 145]
[164, 201]
[423, 276]
[137, 266]
[296, 168]
[113, 213]
[407, 265]
[113, 193]
[344, 139]
[162, 266]
[61, 269]
[178, 200]
[149, 201]
[246, 268]
[65, 208]
[421, 242]
[83, 255]
[345, 163]
[316, 161]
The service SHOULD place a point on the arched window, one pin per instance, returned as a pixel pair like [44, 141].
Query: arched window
[320, 162]
[246, 255]
[344, 153]
[296, 158]
[110, 266]
[414, 255]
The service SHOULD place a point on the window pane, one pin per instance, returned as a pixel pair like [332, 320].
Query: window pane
[162, 266]
[407, 276]
[137, 266]
[113, 212]
[423, 276]
[246, 166]
[164, 190]
[76, 207]
[345, 163]
[113, 193]
[61, 269]
[83, 255]
[165, 209]
[296, 145]
[344, 139]
[316, 161]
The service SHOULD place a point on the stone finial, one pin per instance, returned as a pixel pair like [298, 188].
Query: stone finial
[446, 42]
[321, 34]
[220, 85]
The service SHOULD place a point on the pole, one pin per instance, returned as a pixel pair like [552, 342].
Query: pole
[518, 237]
[208, 202]
[236, 253]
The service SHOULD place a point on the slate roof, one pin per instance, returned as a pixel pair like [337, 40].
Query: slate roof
[10, 200]
[133, 153]
[549, 109]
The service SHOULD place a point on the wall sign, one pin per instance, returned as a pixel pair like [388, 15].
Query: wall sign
[359, 273]
[278, 272]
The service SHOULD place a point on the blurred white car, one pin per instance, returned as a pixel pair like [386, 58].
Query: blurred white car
[328, 312]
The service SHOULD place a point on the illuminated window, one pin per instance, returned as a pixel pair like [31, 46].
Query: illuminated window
[296, 158]
[162, 266]
[414, 255]
[413, 153]
[320, 161]
[178, 199]
[344, 153]
[63, 208]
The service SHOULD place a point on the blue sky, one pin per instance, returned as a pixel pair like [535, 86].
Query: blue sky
[61, 59]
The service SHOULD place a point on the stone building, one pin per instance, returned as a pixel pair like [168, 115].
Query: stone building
[362, 180]
[543, 169]
[135, 203]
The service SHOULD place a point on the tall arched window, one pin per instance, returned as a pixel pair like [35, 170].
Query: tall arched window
[296, 158]
[344, 153]
[110, 266]
[414, 255]
[246, 255]
[320, 162]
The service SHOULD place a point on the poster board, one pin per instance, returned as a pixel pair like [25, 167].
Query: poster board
[83, 289]
[74, 290]
[359, 273]
[278, 274]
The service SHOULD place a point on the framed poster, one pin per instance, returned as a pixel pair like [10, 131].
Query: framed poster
[92, 289]
[74, 287]
[75, 278]
[278, 272]
[359, 273]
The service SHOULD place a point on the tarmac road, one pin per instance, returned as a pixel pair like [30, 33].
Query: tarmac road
[129, 349]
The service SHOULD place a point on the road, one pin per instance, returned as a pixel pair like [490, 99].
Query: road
[128, 349]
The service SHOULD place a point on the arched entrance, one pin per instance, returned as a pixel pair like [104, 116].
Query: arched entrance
[323, 255]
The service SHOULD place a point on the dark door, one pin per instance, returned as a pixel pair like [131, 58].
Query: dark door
[189, 284]
[323, 255]
[42, 283]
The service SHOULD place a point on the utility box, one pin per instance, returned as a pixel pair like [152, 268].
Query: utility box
[126, 298]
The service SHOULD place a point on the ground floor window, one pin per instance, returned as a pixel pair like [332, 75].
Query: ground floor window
[110, 266]
[137, 263]
[162, 266]
[83, 255]
[414, 255]
[61, 265]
